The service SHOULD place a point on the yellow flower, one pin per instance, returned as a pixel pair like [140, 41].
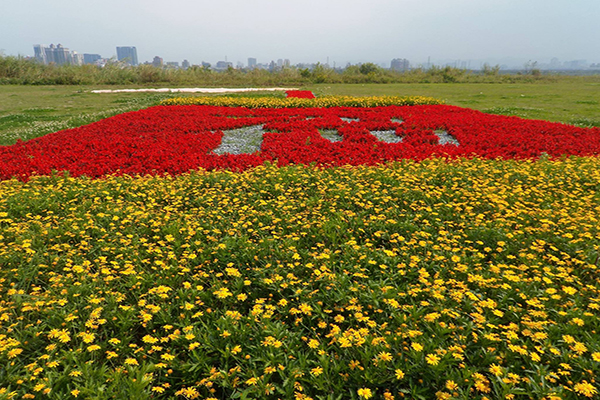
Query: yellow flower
[270, 370]
[39, 387]
[87, 337]
[149, 339]
[222, 293]
[579, 348]
[190, 393]
[585, 389]
[75, 392]
[14, 352]
[242, 296]
[305, 309]
[577, 321]
[316, 371]
[365, 393]
[535, 357]
[339, 319]
[399, 374]
[496, 370]
[131, 361]
[416, 346]
[432, 359]
[568, 339]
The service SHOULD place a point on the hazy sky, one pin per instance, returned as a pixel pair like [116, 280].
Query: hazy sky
[310, 30]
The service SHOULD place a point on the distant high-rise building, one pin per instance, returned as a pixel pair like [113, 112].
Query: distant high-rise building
[49, 53]
[157, 62]
[128, 54]
[58, 54]
[223, 65]
[400, 64]
[75, 58]
[172, 64]
[39, 51]
[91, 58]
[185, 64]
[576, 64]
[251, 63]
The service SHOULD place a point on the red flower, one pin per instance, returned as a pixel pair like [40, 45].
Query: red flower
[176, 139]
[300, 94]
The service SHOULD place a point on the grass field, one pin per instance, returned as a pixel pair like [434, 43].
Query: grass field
[31, 111]
[572, 102]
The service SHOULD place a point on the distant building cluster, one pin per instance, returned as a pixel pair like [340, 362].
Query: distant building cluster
[61, 55]
[127, 56]
[556, 64]
[58, 55]
[400, 64]
[157, 62]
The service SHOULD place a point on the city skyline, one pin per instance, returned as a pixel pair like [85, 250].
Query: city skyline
[352, 31]
[128, 54]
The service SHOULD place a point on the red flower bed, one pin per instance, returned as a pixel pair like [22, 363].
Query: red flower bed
[300, 94]
[175, 139]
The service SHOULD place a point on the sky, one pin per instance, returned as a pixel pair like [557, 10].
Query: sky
[309, 31]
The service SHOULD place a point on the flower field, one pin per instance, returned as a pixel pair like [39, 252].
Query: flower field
[470, 276]
[179, 138]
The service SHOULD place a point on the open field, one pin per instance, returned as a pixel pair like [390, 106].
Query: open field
[573, 102]
[441, 279]
[30, 111]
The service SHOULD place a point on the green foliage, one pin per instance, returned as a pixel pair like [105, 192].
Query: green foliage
[489, 70]
[368, 68]
[17, 70]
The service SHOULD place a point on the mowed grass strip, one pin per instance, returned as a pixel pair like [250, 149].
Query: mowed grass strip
[464, 279]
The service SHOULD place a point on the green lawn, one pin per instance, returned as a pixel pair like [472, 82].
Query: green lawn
[31, 111]
[575, 101]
